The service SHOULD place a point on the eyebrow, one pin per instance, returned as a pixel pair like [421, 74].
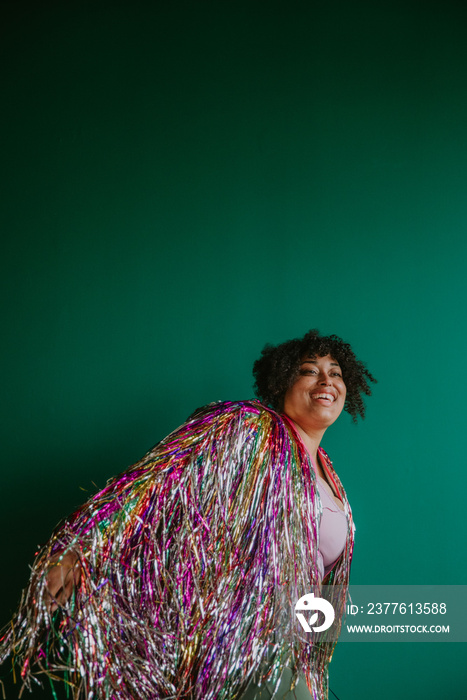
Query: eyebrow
[304, 362]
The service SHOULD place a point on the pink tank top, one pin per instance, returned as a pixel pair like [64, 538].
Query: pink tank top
[332, 529]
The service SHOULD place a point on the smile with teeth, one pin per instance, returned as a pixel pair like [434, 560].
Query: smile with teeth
[326, 397]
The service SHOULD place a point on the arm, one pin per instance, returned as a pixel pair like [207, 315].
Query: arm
[63, 575]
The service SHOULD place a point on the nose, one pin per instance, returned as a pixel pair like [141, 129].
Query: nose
[325, 379]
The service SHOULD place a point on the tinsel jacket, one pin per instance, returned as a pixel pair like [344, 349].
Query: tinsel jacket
[191, 561]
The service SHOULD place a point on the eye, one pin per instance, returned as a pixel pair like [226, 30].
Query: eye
[308, 371]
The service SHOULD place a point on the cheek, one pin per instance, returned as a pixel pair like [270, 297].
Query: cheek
[294, 396]
[305, 382]
[297, 387]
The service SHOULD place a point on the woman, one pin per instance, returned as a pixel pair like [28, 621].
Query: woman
[179, 579]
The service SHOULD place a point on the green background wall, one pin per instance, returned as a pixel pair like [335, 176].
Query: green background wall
[186, 181]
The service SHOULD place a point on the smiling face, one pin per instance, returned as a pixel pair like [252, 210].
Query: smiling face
[317, 397]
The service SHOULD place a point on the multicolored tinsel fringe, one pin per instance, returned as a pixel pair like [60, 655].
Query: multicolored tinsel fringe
[192, 561]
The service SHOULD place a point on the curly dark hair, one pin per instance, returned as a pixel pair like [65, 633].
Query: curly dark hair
[278, 367]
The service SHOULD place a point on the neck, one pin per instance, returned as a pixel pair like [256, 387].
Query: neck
[311, 440]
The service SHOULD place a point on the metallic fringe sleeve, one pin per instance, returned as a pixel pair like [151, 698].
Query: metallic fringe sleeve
[190, 564]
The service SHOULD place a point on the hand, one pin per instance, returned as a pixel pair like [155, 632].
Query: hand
[62, 577]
